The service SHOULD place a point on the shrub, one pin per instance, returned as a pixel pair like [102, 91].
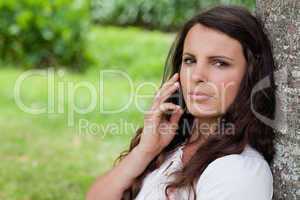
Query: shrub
[158, 14]
[39, 33]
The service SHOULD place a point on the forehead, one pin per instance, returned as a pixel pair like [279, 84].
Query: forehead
[204, 40]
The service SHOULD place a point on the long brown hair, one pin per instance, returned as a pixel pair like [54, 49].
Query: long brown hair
[240, 24]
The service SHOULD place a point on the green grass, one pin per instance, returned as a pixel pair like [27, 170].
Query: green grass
[41, 156]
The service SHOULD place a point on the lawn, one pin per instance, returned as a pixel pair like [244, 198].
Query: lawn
[58, 154]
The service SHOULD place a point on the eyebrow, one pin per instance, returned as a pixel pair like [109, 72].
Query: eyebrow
[210, 57]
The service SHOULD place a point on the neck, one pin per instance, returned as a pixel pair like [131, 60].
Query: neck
[202, 128]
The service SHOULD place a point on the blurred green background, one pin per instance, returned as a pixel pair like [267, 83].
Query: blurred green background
[43, 156]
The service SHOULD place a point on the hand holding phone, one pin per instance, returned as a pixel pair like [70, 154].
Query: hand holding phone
[159, 130]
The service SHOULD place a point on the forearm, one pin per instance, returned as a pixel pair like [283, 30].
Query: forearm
[112, 185]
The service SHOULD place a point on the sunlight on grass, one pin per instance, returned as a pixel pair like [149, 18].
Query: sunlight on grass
[41, 157]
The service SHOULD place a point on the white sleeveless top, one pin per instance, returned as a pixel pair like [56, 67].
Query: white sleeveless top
[245, 176]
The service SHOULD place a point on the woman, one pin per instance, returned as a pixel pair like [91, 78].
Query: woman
[200, 139]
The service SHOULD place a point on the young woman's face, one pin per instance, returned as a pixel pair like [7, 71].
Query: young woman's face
[212, 68]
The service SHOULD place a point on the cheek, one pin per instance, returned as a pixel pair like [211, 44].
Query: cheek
[224, 84]
[227, 91]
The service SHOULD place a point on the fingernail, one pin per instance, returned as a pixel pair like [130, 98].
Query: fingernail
[180, 109]
[176, 84]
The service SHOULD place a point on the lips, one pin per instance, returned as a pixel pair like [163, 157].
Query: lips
[199, 93]
[199, 96]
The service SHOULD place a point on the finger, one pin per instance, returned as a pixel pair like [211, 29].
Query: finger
[174, 77]
[153, 118]
[165, 94]
[163, 88]
[169, 92]
[154, 114]
[164, 108]
[176, 116]
[167, 84]
[171, 81]
[158, 95]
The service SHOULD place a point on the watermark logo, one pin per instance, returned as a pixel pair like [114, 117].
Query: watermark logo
[61, 97]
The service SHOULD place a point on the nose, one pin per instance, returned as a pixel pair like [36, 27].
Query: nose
[199, 73]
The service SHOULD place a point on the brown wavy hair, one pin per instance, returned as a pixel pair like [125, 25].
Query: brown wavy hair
[240, 24]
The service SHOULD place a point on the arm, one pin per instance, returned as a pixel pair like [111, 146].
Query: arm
[153, 140]
[111, 185]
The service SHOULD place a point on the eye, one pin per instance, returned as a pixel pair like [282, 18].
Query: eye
[220, 64]
[188, 60]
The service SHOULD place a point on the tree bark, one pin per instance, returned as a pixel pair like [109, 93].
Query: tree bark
[282, 21]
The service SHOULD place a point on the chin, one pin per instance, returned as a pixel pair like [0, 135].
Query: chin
[203, 111]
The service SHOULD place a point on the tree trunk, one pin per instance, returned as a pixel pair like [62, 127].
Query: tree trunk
[282, 20]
